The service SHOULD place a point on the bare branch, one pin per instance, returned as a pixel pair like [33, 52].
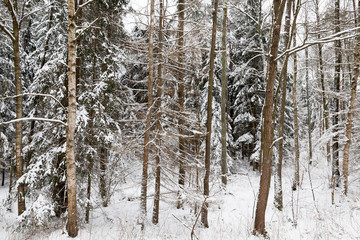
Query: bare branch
[82, 6]
[34, 119]
[33, 94]
[331, 38]
[7, 32]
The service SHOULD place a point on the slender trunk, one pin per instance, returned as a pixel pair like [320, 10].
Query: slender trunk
[71, 123]
[103, 168]
[259, 226]
[181, 10]
[155, 218]
[91, 133]
[308, 103]
[148, 120]
[18, 125]
[223, 99]
[278, 166]
[338, 59]
[204, 210]
[296, 125]
[352, 102]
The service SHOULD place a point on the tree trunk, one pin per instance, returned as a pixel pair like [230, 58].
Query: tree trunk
[322, 82]
[71, 123]
[338, 59]
[223, 99]
[13, 10]
[296, 125]
[155, 218]
[181, 10]
[278, 166]
[148, 120]
[352, 102]
[308, 103]
[103, 168]
[204, 210]
[259, 226]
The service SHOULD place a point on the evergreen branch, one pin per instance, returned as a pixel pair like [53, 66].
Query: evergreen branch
[33, 94]
[33, 119]
[84, 30]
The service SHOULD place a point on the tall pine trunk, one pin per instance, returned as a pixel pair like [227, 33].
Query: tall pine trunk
[71, 226]
[148, 120]
[181, 121]
[322, 82]
[278, 166]
[352, 101]
[267, 135]
[155, 218]
[15, 38]
[338, 60]
[296, 125]
[204, 210]
[223, 98]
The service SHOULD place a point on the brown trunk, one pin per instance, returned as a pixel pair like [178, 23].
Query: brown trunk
[308, 103]
[204, 210]
[103, 168]
[259, 226]
[155, 218]
[338, 59]
[322, 82]
[296, 125]
[352, 102]
[278, 166]
[223, 99]
[91, 133]
[15, 37]
[71, 227]
[148, 120]
[181, 8]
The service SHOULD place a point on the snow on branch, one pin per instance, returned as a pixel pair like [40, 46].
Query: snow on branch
[331, 38]
[33, 94]
[34, 119]
[7, 32]
[83, 5]
[85, 29]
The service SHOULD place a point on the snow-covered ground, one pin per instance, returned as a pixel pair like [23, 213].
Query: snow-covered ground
[231, 214]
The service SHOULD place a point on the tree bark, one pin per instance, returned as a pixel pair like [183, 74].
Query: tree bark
[223, 98]
[352, 101]
[204, 210]
[338, 60]
[181, 16]
[13, 10]
[71, 226]
[322, 82]
[278, 166]
[296, 125]
[148, 120]
[155, 218]
[308, 102]
[259, 226]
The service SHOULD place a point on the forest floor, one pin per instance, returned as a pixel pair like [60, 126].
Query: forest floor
[231, 214]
